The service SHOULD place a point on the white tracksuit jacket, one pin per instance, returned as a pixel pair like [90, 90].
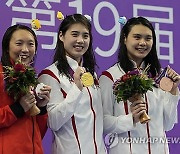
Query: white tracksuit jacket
[118, 121]
[75, 117]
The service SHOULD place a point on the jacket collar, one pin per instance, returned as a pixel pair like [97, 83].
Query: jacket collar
[72, 63]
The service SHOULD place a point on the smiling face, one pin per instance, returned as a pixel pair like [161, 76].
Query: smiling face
[22, 44]
[76, 41]
[139, 43]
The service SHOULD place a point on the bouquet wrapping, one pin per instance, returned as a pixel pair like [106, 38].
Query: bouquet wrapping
[144, 117]
[21, 79]
[132, 86]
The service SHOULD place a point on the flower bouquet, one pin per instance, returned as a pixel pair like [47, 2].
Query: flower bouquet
[21, 79]
[132, 86]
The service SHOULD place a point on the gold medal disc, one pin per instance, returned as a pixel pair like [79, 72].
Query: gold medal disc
[166, 84]
[87, 79]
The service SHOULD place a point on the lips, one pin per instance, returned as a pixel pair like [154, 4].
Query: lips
[78, 47]
[24, 57]
[141, 49]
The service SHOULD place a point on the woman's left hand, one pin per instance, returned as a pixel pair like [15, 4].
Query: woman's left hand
[175, 77]
[44, 95]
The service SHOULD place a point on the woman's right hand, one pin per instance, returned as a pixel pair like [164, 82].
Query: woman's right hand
[77, 77]
[137, 108]
[27, 101]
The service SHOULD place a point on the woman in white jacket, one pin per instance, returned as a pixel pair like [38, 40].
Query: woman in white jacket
[124, 133]
[75, 113]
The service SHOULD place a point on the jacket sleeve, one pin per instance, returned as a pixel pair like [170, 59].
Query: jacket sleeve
[61, 105]
[170, 103]
[8, 113]
[113, 124]
[7, 117]
[42, 121]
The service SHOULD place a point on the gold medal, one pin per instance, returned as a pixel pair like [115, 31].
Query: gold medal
[166, 84]
[87, 79]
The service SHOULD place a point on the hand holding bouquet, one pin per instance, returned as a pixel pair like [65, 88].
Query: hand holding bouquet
[20, 79]
[132, 86]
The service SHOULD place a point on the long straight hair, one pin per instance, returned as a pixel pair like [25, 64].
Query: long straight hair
[151, 58]
[89, 61]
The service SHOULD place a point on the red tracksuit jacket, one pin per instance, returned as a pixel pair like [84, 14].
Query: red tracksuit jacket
[19, 132]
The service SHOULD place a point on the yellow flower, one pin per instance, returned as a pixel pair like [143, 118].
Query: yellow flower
[35, 24]
[60, 16]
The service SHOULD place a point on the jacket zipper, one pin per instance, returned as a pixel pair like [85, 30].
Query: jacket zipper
[33, 135]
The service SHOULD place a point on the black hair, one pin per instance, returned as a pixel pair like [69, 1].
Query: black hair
[151, 58]
[89, 61]
[5, 58]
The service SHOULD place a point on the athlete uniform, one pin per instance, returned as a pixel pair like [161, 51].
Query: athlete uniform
[136, 138]
[75, 116]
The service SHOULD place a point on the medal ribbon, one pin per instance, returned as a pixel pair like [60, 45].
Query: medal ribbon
[162, 74]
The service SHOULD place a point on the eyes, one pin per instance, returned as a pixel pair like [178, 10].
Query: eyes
[29, 43]
[77, 34]
[146, 37]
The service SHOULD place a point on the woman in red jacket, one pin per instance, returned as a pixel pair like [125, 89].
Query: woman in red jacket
[20, 133]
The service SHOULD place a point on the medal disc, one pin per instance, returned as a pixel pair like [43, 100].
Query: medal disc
[38, 89]
[87, 79]
[166, 84]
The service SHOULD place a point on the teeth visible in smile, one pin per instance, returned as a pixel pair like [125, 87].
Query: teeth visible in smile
[141, 49]
[23, 56]
[78, 47]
